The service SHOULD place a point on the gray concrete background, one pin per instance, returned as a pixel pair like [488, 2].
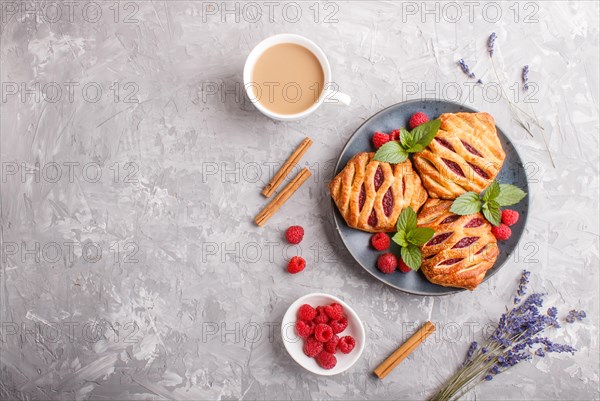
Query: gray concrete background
[142, 161]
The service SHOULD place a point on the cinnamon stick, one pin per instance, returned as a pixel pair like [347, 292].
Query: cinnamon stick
[282, 197]
[405, 349]
[287, 167]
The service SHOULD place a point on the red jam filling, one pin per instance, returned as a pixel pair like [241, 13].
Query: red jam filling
[362, 196]
[450, 219]
[450, 261]
[481, 250]
[378, 178]
[471, 149]
[479, 171]
[445, 143]
[438, 239]
[476, 222]
[465, 242]
[372, 218]
[454, 167]
[388, 202]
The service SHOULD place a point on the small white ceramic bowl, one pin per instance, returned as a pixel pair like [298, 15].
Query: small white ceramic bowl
[294, 344]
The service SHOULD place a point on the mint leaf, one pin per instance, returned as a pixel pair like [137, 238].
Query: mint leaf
[509, 195]
[420, 235]
[467, 203]
[415, 148]
[400, 238]
[411, 255]
[410, 142]
[407, 220]
[391, 152]
[492, 191]
[491, 211]
[425, 133]
[407, 139]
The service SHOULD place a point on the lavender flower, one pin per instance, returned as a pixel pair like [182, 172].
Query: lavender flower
[471, 351]
[557, 348]
[525, 78]
[522, 290]
[575, 315]
[465, 68]
[490, 43]
[517, 337]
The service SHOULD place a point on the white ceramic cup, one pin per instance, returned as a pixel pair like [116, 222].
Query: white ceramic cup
[329, 94]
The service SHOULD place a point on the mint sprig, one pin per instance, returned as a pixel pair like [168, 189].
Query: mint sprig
[410, 238]
[489, 203]
[414, 141]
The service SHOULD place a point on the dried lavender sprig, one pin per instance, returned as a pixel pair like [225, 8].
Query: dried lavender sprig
[490, 43]
[511, 104]
[522, 290]
[465, 68]
[470, 352]
[525, 78]
[575, 315]
[515, 339]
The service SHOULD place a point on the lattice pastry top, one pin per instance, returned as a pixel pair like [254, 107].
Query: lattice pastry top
[462, 250]
[370, 195]
[466, 155]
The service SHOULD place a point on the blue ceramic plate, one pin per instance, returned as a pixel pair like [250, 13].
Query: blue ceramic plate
[357, 242]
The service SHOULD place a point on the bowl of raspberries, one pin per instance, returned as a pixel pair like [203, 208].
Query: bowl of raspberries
[323, 334]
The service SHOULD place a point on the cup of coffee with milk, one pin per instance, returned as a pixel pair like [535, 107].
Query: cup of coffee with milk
[288, 77]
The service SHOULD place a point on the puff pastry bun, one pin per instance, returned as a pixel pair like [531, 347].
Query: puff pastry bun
[370, 195]
[462, 250]
[466, 155]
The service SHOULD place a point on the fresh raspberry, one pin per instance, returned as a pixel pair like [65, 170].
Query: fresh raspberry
[322, 317]
[323, 333]
[510, 217]
[331, 345]
[304, 329]
[326, 360]
[294, 234]
[307, 312]
[403, 267]
[501, 232]
[296, 264]
[380, 241]
[312, 347]
[417, 119]
[346, 344]
[379, 139]
[395, 135]
[334, 311]
[387, 263]
[339, 325]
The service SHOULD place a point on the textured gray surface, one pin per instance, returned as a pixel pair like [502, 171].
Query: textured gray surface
[174, 306]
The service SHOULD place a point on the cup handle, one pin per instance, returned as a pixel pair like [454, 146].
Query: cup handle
[333, 96]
